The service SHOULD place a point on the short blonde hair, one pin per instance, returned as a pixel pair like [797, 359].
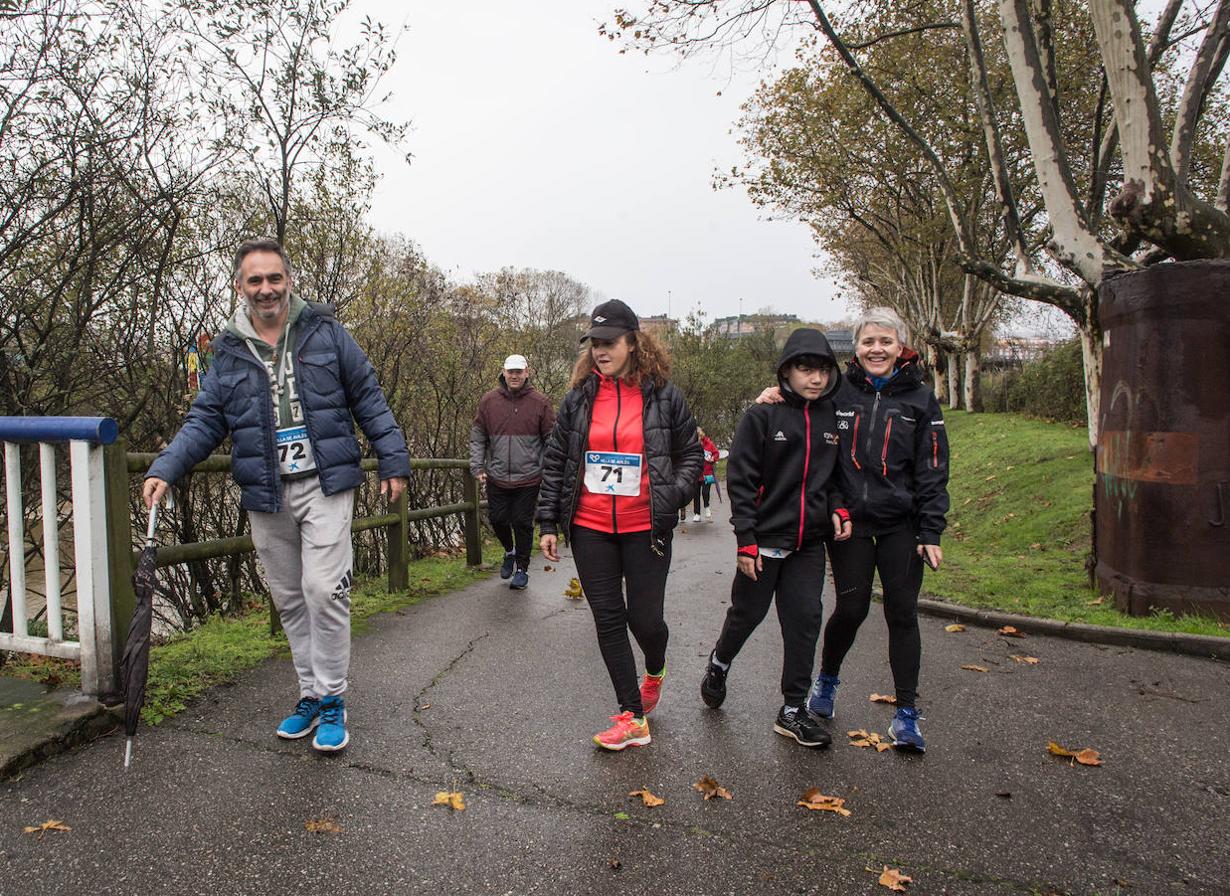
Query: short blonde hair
[882, 317]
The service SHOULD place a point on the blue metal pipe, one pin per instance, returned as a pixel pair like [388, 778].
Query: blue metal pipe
[98, 430]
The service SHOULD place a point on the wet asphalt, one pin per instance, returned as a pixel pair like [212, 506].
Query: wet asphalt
[495, 694]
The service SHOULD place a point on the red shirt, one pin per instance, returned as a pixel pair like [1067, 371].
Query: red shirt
[616, 425]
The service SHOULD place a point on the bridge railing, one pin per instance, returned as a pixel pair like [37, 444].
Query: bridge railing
[102, 473]
[86, 438]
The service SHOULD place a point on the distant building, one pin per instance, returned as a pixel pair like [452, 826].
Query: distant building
[1013, 351]
[841, 342]
[659, 324]
[738, 326]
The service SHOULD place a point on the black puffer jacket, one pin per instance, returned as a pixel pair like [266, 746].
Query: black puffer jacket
[673, 456]
[894, 452]
[780, 472]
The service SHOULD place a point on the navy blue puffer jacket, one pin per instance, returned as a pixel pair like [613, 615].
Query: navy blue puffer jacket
[337, 385]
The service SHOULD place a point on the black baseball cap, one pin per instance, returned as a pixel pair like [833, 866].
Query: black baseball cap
[611, 320]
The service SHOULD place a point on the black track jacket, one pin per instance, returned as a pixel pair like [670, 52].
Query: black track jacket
[894, 452]
[779, 475]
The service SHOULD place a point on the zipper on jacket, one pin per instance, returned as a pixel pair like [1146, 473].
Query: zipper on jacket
[935, 451]
[854, 443]
[615, 443]
[888, 431]
[806, 463]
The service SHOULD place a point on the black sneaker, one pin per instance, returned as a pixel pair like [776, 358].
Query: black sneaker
[802, 727]
[506, 568]
[713, 685]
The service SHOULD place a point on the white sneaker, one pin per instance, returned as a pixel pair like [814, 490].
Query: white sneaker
[696, 517]
[708, 514]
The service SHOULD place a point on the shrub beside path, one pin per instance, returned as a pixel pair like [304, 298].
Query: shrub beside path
[495, 694]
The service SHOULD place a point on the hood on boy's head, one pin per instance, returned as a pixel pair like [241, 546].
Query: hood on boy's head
[806, 341]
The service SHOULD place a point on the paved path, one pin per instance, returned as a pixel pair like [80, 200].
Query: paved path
[496, 694]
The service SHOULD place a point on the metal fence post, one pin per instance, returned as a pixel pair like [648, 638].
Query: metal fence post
[119, 546]
[399, 546]
[474, 540]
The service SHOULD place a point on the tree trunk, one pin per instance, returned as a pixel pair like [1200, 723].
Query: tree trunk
[936, 362]
[973, 380]
[1091, 353]
[954, 381]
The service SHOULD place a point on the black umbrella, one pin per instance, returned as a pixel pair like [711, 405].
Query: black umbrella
[135, 667]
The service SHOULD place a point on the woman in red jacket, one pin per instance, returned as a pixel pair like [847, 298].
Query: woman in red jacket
[707, 477]
[620, 462]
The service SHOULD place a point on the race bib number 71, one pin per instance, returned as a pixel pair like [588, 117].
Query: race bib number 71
[612, 473]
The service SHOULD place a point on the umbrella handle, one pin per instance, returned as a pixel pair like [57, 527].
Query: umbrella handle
[153, 525]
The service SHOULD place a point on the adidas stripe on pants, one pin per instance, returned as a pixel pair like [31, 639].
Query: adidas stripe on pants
[308, 554]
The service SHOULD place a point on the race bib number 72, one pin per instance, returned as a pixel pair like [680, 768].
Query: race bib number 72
[612, 473]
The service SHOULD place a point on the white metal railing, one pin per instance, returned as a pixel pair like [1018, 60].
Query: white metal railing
[85, 437]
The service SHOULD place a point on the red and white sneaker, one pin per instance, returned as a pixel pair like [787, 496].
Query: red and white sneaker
[628, 731]
[651, 691]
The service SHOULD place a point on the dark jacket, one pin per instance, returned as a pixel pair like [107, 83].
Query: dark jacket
[779, 474]
[894, 457]
[336, 384]
[508, 435]
[672, 456]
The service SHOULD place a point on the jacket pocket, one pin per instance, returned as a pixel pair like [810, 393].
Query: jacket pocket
[320, 377]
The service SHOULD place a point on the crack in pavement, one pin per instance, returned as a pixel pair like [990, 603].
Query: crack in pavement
[428, 740]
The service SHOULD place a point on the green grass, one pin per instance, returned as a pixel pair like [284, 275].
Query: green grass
[1018, 533]
[185, 665]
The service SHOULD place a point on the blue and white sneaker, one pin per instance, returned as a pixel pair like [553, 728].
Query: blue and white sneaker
[904, 730]
[300, 722]
[506, 568]
[822, 698]
[331, 734]
[520, 579]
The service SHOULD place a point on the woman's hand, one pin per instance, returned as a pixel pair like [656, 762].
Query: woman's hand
[771, 395]
[932, 555]
[749, 566]
[548, 544]
[842, 530]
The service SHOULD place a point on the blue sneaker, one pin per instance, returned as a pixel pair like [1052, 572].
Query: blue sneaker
[300, 722]
[823, 696]
[520, 579]
[331, 734]
[904, 730]
[506, 568]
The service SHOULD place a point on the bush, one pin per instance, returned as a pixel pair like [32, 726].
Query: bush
[1050, 388]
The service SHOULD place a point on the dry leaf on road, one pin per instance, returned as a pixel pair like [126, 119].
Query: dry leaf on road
[1025, 660]
[573, 591]
[970, 667]
[647, 797]
[1009, 631]
[322, 826]
[954, 628]
[1086, 756]
[50, 825]
[862, 738]
[817, 801]
[882, 698]
[451, 798]
[709, 786]
[548, 569]
[894, 879]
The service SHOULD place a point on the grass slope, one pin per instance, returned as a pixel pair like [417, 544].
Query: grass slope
[1018, 532]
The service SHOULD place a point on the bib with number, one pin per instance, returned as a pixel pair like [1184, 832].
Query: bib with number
[612, 473]
[295, 451]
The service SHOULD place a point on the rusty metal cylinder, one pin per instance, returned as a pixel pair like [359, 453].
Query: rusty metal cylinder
[1162, 497]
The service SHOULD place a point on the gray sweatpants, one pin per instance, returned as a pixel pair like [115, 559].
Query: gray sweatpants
[308, 554]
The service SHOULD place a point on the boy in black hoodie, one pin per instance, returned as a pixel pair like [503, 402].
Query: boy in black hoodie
[782, 499]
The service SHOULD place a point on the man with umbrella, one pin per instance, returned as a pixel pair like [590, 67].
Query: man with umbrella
[287, 383]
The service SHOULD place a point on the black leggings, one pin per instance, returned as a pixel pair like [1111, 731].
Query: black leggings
[512, 519]
[703, 492]
[798, 582]
[604, 563]
[901, 572]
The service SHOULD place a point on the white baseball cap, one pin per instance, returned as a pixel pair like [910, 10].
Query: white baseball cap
[516, 362]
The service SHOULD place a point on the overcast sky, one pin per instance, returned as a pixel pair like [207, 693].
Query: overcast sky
[536, 144]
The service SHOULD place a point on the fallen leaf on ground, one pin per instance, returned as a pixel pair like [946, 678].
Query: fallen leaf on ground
[647, 797]
[954, 628]
[882, 698]
[548, 569]
[1027, 660]
[573, 591]
[423, 707]
[451, 798]
[614, 864]
[1009, 631]
[709, 786]
[971, 667]
[860, 737]
[815, 800]
[322, 826]
[1086, 756]
[50, 825]
[894, 879]
[1098, 602]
